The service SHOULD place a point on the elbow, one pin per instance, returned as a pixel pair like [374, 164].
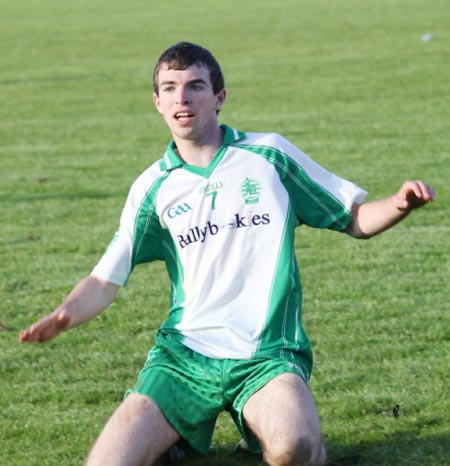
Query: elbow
[354, 231]
[355, 227]
[362, 235]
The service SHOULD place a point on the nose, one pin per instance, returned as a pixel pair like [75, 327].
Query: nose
[182, 96]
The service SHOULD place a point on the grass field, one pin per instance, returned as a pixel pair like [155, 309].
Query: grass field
[351, 82]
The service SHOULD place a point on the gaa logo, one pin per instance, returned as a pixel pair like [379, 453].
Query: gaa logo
[180, 209]
[251, 190]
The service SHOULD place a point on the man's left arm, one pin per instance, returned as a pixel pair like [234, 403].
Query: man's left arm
[371, 218]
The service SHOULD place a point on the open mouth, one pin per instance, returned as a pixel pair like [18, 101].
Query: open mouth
[184, 116]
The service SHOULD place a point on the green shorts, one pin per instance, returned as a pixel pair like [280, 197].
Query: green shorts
[192, 389]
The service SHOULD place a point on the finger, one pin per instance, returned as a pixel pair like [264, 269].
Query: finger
[45, 329]
[30, 334]
[423, 192]
[27, 334]
[414, 188]
[414, 194]
[429, 193]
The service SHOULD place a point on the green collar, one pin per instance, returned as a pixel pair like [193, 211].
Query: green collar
[171, 160]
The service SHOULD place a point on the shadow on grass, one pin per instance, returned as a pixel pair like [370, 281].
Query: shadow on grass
[223, 456]
[402, 449]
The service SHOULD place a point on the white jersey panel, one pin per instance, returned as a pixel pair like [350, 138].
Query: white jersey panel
[227, 231]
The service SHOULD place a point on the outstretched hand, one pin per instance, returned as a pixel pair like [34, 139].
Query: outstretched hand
[47, 328]
[83, 303]
[412, 195]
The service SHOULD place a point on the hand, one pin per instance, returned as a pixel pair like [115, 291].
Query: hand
[89, 297]
[45, 329]
[413, 194]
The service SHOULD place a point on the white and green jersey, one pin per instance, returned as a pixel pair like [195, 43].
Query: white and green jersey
[226, 234]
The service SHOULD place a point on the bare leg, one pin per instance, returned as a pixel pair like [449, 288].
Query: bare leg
[137, 434]
[284, 418]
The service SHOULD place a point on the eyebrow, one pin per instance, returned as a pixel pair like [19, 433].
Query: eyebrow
[194, 81]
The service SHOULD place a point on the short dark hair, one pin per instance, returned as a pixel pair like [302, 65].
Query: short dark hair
[185, 54]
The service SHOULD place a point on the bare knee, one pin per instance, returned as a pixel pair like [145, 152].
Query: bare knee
[295, 452]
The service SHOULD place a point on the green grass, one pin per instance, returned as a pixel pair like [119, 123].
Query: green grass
[350, 82]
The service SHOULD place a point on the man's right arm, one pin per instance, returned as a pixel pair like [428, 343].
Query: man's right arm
[90, 297]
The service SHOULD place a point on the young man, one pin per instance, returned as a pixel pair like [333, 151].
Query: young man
[220, 208]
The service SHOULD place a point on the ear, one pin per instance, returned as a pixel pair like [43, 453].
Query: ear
[156, 101]
[220, 98]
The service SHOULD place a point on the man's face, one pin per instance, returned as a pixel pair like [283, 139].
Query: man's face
[187, 102]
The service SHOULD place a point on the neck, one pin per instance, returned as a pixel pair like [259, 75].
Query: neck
[200, 152]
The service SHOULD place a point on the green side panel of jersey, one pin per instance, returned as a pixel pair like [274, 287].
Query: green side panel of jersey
[176, 274]
[283, 331]
[313, 205]
[152, 242]
[147, 228]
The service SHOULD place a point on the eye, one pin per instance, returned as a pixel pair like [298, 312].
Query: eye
[197, 87]
[168, 88]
